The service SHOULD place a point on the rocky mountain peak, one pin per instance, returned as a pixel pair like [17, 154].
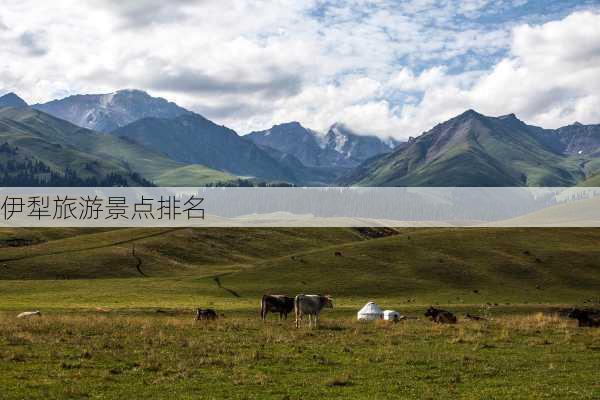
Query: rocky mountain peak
[107, 112]
[12, 100]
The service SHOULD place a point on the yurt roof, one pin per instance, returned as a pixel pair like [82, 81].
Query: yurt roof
[370, 308]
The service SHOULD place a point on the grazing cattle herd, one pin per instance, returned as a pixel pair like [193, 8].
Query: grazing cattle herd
[311, 305]
[303, 305]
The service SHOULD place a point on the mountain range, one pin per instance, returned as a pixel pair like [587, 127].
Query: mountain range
[136, 139]
[476, 150]
[319, 158]
[190, 139]
[339, 146]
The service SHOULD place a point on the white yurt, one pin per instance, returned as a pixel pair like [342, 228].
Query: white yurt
[391, 315]
[369, 312]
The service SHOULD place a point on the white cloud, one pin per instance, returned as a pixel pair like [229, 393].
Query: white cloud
[380, 66]
[406, 80]
[551, 76]
[545, 80]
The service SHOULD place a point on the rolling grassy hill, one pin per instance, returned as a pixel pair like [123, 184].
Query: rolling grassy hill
[174, 266]
[164, 251]
[444, 265]
[61, 145]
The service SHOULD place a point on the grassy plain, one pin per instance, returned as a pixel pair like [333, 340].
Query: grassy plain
[119, 324]
[148, 356]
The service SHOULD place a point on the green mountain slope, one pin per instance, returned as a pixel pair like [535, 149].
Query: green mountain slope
[187, 175]
[62, 145]
[592, 181]
[475, 150]
[194, 139]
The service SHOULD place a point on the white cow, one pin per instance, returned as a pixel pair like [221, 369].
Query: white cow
[29, 314]
[311, 305]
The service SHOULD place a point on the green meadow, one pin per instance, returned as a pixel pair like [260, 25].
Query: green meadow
[117, 313]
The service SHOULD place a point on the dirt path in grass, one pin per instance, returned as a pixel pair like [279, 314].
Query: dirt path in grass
[139, 265]
[116, 243]
[217, 280]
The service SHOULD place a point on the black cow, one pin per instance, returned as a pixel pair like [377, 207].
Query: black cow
[205, 314]
[586, 317]
[440, 316]
[276, 303]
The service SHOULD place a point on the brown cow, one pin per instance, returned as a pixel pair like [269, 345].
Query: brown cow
[205, 314]
[276, 303]
[440, 316]
[586, 317]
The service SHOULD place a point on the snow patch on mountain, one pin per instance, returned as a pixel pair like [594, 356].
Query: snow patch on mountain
[107, 112]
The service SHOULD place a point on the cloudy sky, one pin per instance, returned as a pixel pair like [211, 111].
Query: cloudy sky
[381, 66]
